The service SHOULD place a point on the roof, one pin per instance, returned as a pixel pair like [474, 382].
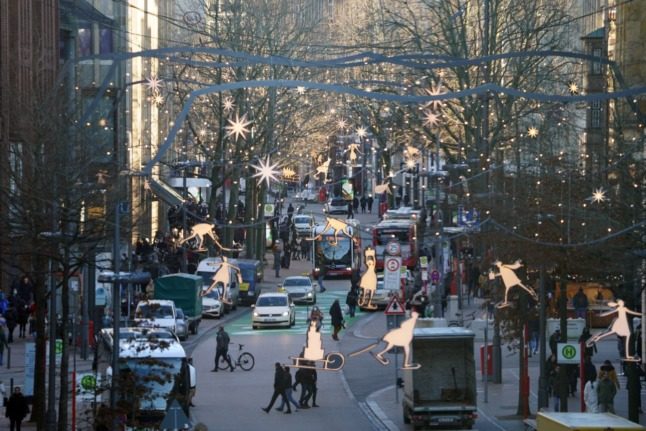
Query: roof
[442, 332]
[82, 11]
[599, 33]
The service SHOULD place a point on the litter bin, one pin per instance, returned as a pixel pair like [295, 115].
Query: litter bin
[489, 360]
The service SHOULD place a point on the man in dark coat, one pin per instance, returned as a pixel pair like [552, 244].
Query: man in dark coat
[337, 318]
[279, 389]
[17, 409]
[222, 349]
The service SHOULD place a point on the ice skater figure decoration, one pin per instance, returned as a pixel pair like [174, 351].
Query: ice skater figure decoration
[222, 281]
[398, 337]
[200, 232]
[336, 226]
[368, 282]
[313, 355]
[618, 327]
[509, 280]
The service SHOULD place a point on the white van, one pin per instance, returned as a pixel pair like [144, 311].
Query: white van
[207, 269]
[157, 313]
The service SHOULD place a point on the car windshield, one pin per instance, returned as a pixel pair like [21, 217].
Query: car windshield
[337, 202]
[155, 311]
[272, 301]
[296, 282]
[153, 377]
[213, 294]
[301, 220]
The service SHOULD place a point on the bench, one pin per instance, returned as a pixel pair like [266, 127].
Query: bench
[530, 424]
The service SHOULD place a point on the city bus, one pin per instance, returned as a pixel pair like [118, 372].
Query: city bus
[404, 232]
[338, 256]
[154, 371]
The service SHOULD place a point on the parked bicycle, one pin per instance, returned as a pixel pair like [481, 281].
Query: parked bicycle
[245, 360]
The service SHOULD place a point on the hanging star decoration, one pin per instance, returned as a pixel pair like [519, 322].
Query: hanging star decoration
[598, 196]
[157, 99]
[238, 127]
[266, 171]
[362, 132]
[431, 119]
[341, 124]
[228, 104]
[300, 89]
[154, 83]
[573, 88]
[532, 132]
[435, 90]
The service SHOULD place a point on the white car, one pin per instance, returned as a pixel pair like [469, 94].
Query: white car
[336, 206]
[211, 305]
[300, 289]
[156, 313]
[303, 224]
[181, 326]
[273, 310]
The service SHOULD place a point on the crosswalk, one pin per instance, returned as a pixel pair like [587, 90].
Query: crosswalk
[242, 325]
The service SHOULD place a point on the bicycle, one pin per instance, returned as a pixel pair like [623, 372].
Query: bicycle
[245, 360]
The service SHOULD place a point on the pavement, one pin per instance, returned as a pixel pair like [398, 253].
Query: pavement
[497, 403]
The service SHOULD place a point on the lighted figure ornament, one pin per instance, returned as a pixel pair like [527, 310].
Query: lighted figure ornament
[398, 337]
[337, 226]
[323, 168]
[413, 153]
[618, 327]
[382, 188]
[222, 277]
[368, 282]
[510, 279]
[313, 355]
[353, 149]
[288, 173]
[202, 230]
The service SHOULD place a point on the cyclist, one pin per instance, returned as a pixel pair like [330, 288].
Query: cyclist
[317, 316]
[222, 349]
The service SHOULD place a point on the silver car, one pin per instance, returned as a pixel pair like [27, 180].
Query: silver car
[300, 289]
[181, 325]
[303, 224]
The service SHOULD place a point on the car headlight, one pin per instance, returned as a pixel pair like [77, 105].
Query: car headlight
[285, 313]
[255, 314]
[309, 294]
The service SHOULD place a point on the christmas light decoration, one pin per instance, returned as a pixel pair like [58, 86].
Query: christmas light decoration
[238, 127]
[266, 171]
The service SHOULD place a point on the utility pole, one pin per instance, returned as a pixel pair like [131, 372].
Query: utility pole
[439, 293]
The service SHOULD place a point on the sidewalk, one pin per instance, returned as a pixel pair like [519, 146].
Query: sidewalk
[15, 375]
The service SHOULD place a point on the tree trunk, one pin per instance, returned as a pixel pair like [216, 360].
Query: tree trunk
[64, 370]
[40, 300]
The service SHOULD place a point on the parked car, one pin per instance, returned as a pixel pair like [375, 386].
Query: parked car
[303, 224]
[156, 313]
[211, 305]
[336, 206]
[272, 310]
[181, 325]
[300, 289]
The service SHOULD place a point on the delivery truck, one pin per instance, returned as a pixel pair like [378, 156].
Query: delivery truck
[442, 392]
[565, 421]
[185, 290]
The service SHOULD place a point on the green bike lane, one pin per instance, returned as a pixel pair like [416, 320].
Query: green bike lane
[242, 324]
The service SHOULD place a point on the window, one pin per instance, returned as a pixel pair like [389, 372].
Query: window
[595, 114]
[596, 66]
[85, 42]
[105, 41]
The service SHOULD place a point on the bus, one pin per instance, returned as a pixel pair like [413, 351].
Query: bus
[338, 256]
[404, 232]
[154, 371]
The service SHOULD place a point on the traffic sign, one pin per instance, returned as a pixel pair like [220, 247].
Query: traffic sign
[394, 307]
[392, 265]
[393, 248]
[568, 353]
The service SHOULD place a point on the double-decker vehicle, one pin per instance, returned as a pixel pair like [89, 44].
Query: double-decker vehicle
[154, 371]
[336, 252]
[404, 232]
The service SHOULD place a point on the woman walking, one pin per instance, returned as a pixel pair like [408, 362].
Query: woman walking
[337, 318]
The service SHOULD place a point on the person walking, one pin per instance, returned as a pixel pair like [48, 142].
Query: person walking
[580, 303]
[585, 335]
[369, 201]
[350, 212]
[279, 389]
[321, 277]
[606, 391]
[16, 409]
[589, 370]
[590, 396]
[336, 319]
[3, 344]
[222, 349]
[277, 250]
[11, 320]
[610, 371]
[351, 301]
[363, 202]
[287, 376]
[555, 338]
[301, 377]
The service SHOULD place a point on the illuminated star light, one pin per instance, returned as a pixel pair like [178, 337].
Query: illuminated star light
[158, 99]
[341, 124]
[228, 104]
[599, 195]
[431, 119]
[300, 89]
[153, 83]
[573, 88]
[435, 90]
[238, 127]
[532, 132]
[266, 171]
[362, 132]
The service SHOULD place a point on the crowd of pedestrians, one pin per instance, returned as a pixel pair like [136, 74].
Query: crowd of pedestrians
[284, 387]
